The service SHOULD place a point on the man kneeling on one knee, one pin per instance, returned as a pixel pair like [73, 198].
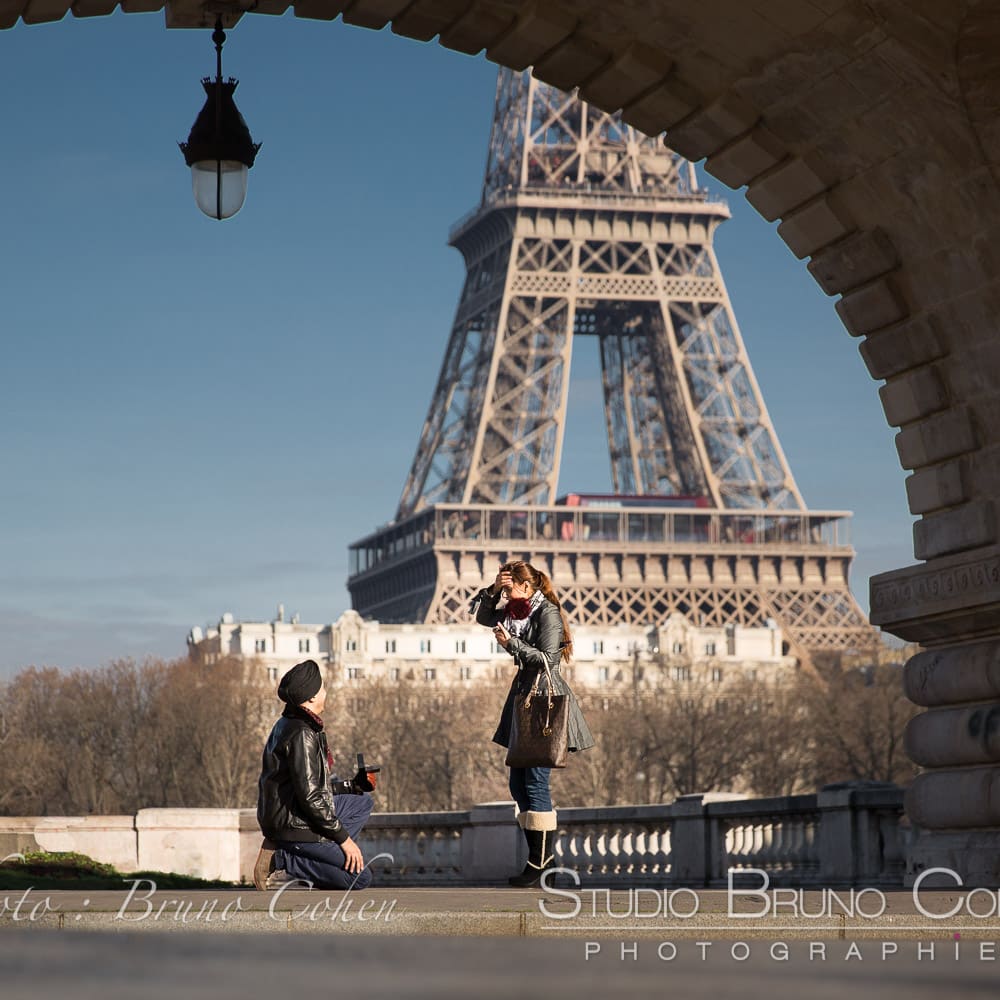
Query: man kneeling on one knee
[309, 823]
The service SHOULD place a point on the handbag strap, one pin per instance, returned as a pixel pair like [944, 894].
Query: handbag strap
[546, 726]
[534, 686]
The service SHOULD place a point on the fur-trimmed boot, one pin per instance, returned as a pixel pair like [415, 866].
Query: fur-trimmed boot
[539, 829]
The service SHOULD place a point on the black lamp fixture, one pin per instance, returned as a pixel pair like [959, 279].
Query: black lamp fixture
[219, 149]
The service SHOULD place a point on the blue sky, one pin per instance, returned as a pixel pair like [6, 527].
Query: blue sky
[200, 417]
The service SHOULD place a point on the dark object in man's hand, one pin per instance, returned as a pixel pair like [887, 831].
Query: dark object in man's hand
[365, 779]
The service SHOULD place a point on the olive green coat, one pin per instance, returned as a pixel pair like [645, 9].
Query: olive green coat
[541, 641]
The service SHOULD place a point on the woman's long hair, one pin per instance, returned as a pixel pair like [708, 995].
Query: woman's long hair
[522, 572]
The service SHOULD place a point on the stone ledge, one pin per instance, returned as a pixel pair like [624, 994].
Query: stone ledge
[494, 913]
[940, 601]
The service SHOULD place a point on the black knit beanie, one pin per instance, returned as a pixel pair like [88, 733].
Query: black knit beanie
[300, 683]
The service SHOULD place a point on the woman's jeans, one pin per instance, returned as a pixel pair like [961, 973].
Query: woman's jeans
[530, 788]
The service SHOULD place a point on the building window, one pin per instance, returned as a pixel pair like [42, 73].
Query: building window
[599, 646]
[272, 673]
[682, 673]
[717, 674]
[355, 673]
[460, 646]
[303, 645]
[260, 645]
[430, 673]
[752, 674]
[465, 673]
[678, 647]
[390, 645]
[495, 647]
[394, 674]
[351, 645]
[710, 649]
[602, 675]
[425, 645]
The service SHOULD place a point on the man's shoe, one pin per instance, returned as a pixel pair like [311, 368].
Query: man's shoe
[278, 878]
[264, 864]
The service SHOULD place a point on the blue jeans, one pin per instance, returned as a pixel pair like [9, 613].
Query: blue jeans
[323, 863]
[530, 788]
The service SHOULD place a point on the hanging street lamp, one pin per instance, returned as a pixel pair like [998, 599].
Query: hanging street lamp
[219, 149]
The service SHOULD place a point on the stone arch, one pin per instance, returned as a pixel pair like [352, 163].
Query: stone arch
[869, 128]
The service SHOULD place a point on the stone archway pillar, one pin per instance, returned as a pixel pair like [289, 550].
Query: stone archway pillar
[951, 606]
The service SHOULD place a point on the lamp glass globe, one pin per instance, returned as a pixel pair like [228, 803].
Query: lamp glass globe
[219, 201]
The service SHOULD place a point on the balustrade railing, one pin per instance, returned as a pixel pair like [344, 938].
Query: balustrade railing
[849, 835]
[779, 836]
[415, 849]
[843, 836]
[628, 844]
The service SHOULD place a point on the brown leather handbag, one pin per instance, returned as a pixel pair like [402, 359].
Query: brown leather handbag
[539, 730]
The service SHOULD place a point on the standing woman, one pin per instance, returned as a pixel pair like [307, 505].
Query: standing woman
[532, 627]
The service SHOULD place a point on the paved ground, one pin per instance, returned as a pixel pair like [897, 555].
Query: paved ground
[582, 913]
[38, 964]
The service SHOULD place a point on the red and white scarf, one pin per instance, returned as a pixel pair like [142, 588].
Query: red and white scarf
[519, 616]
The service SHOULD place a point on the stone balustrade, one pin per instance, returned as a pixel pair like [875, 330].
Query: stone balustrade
[627, 844]
[428, 852]
[780, 836]
[844, 835]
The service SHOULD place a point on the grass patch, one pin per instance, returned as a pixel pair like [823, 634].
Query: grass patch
[70, 871]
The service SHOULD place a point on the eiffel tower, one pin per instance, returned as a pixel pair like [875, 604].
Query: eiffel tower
[589, 228]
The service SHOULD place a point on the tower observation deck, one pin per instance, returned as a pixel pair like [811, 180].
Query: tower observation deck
[589, 228]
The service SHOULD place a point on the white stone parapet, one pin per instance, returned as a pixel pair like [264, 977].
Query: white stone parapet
[202, 842]
[845, 835]
[111, 840]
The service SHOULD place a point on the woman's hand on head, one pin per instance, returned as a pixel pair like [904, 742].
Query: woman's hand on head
[503, 579]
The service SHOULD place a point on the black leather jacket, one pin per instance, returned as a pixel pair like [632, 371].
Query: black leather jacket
[294, 799]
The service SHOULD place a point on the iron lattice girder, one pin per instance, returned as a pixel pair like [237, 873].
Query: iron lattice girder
[583, 217]
[807, 623]
[587, 228]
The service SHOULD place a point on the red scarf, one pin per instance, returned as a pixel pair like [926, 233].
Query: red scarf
[319, 725]
[519, 608]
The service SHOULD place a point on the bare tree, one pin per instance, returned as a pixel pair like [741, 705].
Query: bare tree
[858, 721]
[188, 733]
[432, 742]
